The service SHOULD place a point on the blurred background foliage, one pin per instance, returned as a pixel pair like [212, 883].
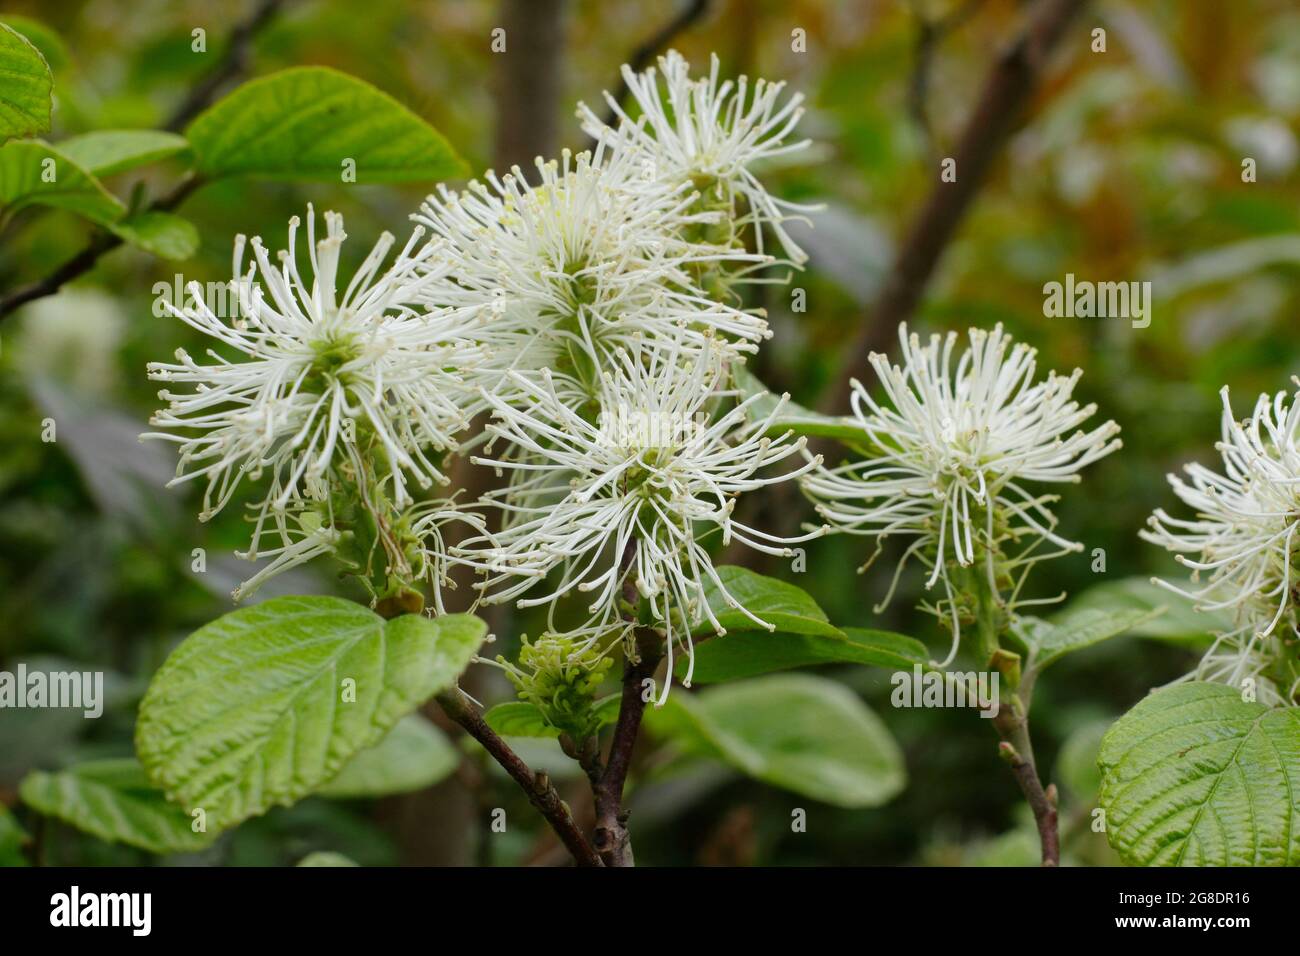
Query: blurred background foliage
[1128, 169]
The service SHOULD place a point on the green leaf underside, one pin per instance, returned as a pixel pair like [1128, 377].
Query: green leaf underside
[108, 151]
[22, 165]
[521, 718]
[793, 417]
[304, 122]
[779, 603]
[413, 755]
[114, 801]
[740, 655]
[1195, 776]
[48, 42]
[799, 732]
[26, 93]
[249, 711]
[164, 234]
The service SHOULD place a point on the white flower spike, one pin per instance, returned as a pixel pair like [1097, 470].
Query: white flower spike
[955, 445]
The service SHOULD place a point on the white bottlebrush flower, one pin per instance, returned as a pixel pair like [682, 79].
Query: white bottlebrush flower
[708, 132]
[619, 504]
[313, 376]
[306, 380]
[954, 446]
[1244, 538]
[590, 259]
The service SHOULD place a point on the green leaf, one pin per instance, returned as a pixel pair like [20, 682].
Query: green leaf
[795, 731]
[1077, 628]
[164, 234]
[27, 94]
[267, 703]
[109, 151]
[12, 840]
[521, 718]
[303, 123]
[415, 754]
[1176, 620]
[793, 416]
[114, 801]
[34, 173]
[779, 603]
[326, 858]
[1076, 764]
[1196, 776]
[748, 654]
[42, 37]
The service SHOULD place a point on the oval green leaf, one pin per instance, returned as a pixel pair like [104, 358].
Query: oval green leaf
[267, 703]
[307, 122]
[799, 732]
[107, 151]
[748, 654]
[787, 607]
[1196, 776]
[27, 94]
[415, 754]
[114, 801]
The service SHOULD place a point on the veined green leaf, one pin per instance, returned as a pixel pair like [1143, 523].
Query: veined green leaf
[308, 122]
[107, 151]
[413, 755]
[1176, 618]
[26, 96]
[114, 800]
[267, 703]
[1077, 628]
[1196, 776]
[326, 858]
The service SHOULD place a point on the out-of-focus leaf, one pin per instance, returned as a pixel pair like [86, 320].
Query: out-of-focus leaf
[27, 95]
[12, 840]
[305, 122]
[415, 754]
[1076, 764]
[326, 858]
[107, 151]
[35, 174]
[114, 800]
[316, 681]
[1196, 776]
[803, 733]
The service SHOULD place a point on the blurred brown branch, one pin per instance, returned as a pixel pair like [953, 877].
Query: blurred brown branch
[640, 58]
[1011, 82]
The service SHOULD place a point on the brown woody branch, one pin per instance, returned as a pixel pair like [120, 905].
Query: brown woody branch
[1010, 83]
[541, 794]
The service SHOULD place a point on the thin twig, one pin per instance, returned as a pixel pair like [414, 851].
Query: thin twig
[1012, 726]
[647, 50]
[1010, 83]
[541, 794]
